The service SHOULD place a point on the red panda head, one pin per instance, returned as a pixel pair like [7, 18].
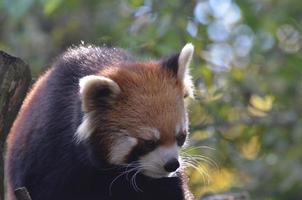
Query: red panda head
[135, 113]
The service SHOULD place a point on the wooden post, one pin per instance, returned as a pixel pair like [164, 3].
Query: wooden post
[15, 80]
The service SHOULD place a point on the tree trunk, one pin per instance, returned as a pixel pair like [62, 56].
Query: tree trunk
[15, 79]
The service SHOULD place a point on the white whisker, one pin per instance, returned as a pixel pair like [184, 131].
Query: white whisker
[120, 175]
[199, 158]
[201, 170]
[198, 147]
[133, 181]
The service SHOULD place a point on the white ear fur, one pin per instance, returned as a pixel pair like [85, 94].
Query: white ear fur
[184, 61]
[90, 83]
[87, 81]
[84, 130]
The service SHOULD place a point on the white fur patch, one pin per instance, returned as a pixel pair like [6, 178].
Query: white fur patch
[87, 81]
[91, 82]
[121, 148]
[184, 61]
[178, 128]
[182, 126]
[84, 130]
[153, 163]
[148, 133]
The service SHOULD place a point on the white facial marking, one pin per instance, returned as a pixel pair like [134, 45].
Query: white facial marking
[178, 128]
[84, 130]
[153, 163]
[121, 148]
[150, 133]
[183, 125]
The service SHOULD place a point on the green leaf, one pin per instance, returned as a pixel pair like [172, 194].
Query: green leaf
[51, 6]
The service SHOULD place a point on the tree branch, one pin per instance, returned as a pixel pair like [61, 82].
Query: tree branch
[15, 79]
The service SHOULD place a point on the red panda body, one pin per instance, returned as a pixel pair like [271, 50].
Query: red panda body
[89, 119]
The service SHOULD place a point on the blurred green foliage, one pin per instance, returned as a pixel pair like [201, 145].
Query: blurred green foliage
[247, 70]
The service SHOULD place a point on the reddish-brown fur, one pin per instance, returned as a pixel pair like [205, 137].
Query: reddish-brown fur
[151, 96]
[156, 94]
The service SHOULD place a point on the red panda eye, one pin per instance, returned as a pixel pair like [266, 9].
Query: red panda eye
[181, 138]
[150, 144]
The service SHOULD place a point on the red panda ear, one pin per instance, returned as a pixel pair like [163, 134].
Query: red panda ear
[171, 63]
[97, 91]
[179, 65]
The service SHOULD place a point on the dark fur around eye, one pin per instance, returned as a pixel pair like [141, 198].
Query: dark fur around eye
[150, 145]
[143, 147]
[181, 138]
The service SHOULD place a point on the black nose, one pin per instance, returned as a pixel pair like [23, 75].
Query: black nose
[171, 165]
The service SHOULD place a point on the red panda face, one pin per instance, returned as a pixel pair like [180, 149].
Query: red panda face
[134, 113]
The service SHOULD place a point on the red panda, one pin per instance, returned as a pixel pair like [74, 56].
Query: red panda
[102, 125]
